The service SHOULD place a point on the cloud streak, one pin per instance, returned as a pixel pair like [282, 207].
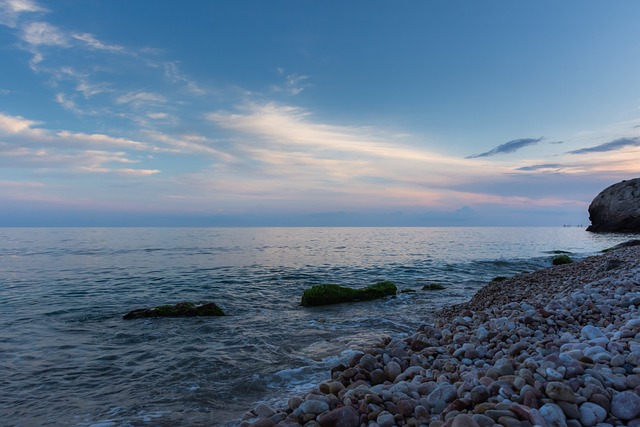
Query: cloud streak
[545, 166]
[508, 147]
[615, 145]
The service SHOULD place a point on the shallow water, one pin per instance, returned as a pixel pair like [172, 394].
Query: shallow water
[68, 359]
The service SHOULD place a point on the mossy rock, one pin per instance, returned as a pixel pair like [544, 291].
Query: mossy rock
[433, 287]
[562, 259]
[182, 309]
[334, 294]
[499, 278]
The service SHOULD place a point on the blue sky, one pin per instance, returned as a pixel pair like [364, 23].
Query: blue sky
[154, 112]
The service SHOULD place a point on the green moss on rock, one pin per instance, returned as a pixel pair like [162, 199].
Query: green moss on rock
[433, 287]
[334, 294]
[182, 309]
[562, 259]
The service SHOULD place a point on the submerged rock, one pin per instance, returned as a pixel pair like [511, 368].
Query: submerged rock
[617, 208]
[433, 287]
[334, 294]
[182, 309]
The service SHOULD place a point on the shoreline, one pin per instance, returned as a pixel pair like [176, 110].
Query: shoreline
[556, 347]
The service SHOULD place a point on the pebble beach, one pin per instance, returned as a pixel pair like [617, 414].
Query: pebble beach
[556, 347]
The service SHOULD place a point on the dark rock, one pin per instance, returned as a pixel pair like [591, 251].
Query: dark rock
[335, 294]
[464, 420]
[433, 287]
[344, 416]
[627, 244]
[562, 259]
[617, 208]
[625, 405]
[182, 309]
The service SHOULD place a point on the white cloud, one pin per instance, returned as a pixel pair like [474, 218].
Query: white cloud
[158, 116]
[175, 76]
[137, 172]
[92, 42]
[105, 140]
[10, 10]
[67, 103]
[292, 126]
[15, 124]
[43, 33]
[293, 84]
[188, 144]
[288, 153]
[141, 98]
[89, 90]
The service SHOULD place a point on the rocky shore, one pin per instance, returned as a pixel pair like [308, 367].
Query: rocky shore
[557, 347]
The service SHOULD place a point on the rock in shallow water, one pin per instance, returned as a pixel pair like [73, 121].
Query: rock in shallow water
[335, 294]
[182, 309]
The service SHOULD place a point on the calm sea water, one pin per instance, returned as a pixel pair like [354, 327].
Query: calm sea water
[68, 359]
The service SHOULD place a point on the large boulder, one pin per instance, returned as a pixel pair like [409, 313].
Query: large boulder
[617, 208]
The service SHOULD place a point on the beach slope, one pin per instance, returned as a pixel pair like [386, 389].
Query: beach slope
[557, 347]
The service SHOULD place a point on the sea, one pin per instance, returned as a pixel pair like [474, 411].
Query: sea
[67, 358]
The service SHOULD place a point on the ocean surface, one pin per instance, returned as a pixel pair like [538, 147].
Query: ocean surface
[68, 359]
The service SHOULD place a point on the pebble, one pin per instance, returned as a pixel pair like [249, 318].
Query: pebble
[313, 406]
[560, 391]
[345, 416]
[626, 405]
[463, 420]
[553, 415]
[385, 419]
[592, 414]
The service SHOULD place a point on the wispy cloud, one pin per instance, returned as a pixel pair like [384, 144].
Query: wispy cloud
[24, 144]
[285, 150]
[293, 83]
[104, 140]
[545, 166]
[141, 98]
[50, 46]
[88, 90]
[10, 10]
[67, 103]
[92, 42]
[175, 76]
[43, 33]
[617, 144]
[508, 147]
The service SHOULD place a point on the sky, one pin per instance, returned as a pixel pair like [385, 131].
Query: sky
[301, 113]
